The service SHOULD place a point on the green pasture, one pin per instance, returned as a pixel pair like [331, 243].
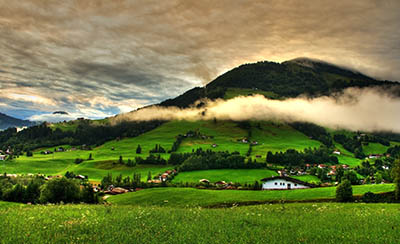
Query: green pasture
[276, 223]
[191, 197]
[228, 175]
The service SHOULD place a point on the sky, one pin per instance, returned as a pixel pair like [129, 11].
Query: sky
[97, 58]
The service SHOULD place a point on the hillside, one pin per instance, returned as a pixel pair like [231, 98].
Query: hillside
[280, 80]
[8, 121]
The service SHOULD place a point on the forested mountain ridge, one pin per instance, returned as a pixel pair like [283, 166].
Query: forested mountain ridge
[292, 78]
[8, 121]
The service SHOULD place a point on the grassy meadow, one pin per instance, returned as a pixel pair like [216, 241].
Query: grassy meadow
[228, 175]
[191, 197]
[277, 223]
[271, 136]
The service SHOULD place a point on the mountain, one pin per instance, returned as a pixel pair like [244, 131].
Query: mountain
[8, 121]
[61, 112]
[301, 76]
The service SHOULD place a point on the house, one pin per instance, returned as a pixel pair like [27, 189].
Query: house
[371, 156]
[2, 157]
[220, 183]
[336, 152]
[81, 177]
[205, 181]
[116, 191]
[284, 183]
[345, 166]
[214, 145]
[322, 166]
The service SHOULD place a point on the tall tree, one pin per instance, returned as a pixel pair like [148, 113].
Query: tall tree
[138, 149]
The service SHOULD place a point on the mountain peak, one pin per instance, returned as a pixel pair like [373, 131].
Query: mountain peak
[307, 62]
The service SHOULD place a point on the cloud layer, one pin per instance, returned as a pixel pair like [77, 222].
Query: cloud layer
[97, 58]
[355, 109]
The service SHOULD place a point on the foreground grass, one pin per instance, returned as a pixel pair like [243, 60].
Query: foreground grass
[229, 175]
[289, 223]
[191, 197]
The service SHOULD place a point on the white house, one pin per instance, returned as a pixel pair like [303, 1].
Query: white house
[284, 183]
[336, 152]
[2, 157]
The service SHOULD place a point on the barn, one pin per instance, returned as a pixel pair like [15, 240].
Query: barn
[284, 183]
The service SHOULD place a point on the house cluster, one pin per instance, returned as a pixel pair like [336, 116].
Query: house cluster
[245, 140]
[46, 152]
[111, 190]
[375, 156]
[219, 184]
[4, 154]
[163, 177]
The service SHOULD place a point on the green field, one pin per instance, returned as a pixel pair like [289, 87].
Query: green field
[191, 197]
[374, 148]
[277, 223]
[271, 137]
[227, 135]
[228, 175]
[278, 137]
[308, 178]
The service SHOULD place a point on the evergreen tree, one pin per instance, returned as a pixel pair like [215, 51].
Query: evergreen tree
[138, 149]
[149, 176]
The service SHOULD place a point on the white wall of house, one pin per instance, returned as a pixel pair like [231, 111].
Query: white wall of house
[276, 184]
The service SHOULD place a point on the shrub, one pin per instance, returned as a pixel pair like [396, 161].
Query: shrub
[60, 190]
[78, 160]
[369, 197]
[344, 192]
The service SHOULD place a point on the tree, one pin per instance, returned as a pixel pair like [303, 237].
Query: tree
[351, 176]
[118, 180]
[396, 179]
[120, 160]
[29, 154]
[60, 190]
[107, 181]
[339, 174]
[88, 195]
[344, 192]
[149, 176]
[90, 157]
[138, 149]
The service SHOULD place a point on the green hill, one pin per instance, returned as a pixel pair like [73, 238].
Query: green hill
[292, 78]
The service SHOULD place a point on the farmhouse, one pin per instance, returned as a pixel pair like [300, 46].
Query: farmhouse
[283, 183]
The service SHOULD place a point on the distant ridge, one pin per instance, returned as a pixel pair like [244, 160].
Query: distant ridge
[8, 121]
[300, 76]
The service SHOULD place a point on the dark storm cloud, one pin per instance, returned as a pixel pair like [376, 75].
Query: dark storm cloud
[111, 56]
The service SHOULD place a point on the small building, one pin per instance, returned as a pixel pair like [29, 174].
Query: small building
[284, 183]
[220, 183]
[205, 181]
[2, 157]
[372, 156]
[336, 152]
